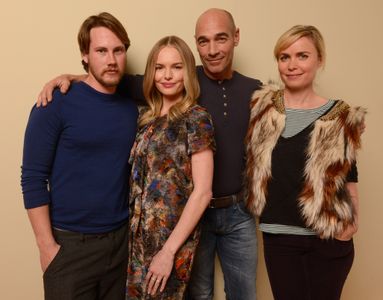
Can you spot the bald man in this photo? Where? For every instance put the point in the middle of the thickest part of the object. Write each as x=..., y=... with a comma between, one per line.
x=228, y=229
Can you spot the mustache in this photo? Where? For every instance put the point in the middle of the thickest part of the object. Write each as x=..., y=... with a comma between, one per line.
x=111, y=69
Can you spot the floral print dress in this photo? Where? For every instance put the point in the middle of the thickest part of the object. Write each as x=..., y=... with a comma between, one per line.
x=161, y=183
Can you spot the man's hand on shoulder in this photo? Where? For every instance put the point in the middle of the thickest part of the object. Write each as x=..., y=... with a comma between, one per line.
x=62, y=82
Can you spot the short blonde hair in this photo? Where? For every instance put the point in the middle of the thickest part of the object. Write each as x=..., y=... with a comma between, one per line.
x=295, y=33
x=151, y=93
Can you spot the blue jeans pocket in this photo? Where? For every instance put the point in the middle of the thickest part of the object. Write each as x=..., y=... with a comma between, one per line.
x=241, y=207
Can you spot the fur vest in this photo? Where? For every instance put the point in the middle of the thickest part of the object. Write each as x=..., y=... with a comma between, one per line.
x=324, y=202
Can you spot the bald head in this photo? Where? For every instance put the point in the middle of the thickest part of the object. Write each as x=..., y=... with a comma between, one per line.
x=213, y=15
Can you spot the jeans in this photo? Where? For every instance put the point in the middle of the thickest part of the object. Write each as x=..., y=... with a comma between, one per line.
x=231, y=233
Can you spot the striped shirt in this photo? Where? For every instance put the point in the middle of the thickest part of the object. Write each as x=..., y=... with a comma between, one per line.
x=299, y=119
x=296, y=121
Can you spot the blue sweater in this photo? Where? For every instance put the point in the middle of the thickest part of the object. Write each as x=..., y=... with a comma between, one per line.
x=75, y=159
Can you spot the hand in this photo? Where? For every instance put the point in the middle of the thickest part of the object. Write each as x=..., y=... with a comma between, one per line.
x=47, y=254
x=159, y=271
x=348, y=233
x=45, y=96
x=362, y=127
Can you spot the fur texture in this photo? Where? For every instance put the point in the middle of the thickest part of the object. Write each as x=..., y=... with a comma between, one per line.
x=324, y=202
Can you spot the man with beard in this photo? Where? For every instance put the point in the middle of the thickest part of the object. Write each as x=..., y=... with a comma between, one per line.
x=75, y=172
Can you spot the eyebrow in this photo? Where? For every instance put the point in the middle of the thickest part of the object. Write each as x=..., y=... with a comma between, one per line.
x=174, y=64
x=300, y=52
x=217, y=35
x=225, y=34
x=106, y=48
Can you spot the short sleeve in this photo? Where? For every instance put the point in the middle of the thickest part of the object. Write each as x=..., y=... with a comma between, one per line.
x=352, y=175
x=200, y=130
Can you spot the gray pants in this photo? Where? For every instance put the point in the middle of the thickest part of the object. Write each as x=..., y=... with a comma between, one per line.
x=88, y=266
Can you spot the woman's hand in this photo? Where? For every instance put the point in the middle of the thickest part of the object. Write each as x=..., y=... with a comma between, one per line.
x=159, y=271
x=348, y=233
x=163, y=262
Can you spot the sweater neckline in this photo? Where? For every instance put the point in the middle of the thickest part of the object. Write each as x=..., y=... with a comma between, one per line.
x=93, y=91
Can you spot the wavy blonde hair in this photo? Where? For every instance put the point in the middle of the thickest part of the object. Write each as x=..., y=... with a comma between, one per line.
x=151, y=93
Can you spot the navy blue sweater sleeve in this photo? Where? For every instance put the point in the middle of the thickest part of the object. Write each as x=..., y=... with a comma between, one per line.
x=76, y=159
x=40, y=142
x=131, y=86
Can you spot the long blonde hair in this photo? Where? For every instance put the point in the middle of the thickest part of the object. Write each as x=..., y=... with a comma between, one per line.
x=151, y=93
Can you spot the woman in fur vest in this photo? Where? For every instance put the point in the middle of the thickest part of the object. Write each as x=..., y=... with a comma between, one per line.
x=302, y=175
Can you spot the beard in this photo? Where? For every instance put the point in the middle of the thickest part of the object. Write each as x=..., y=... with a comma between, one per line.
x=107, y=79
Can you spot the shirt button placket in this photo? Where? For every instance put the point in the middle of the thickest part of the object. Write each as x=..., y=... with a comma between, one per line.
x=224, y=101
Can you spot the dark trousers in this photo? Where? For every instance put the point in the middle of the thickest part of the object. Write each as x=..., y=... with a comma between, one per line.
x=88, y=266
x=307, y=267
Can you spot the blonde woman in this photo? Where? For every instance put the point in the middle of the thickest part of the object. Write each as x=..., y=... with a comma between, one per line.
x=301, y=151
x=172, y=170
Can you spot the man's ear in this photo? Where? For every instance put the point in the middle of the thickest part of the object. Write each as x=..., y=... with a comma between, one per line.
x=236, y=37
x=85, y=58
